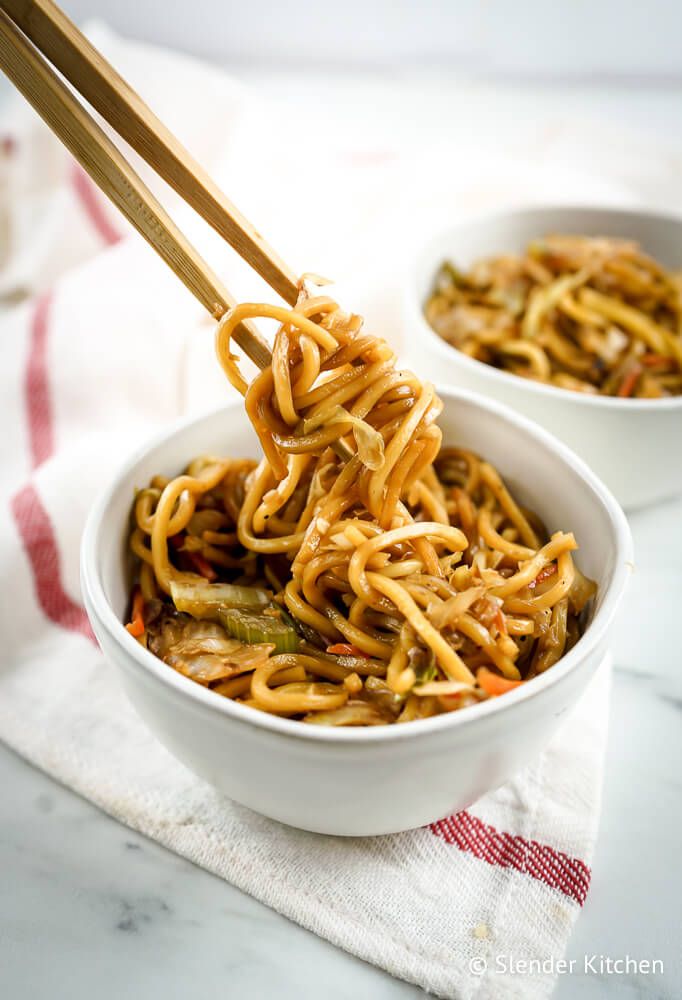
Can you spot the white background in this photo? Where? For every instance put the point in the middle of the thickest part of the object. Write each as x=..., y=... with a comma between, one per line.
x=576, y=39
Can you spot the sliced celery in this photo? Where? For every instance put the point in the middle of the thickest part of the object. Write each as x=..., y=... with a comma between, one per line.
x=253, y=628
x=206, y=600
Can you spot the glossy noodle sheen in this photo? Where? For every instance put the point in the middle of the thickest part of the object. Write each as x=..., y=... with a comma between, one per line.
x=594, y=315
x=360, y=573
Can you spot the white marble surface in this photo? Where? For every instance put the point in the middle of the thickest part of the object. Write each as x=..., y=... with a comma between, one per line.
x=88, y=908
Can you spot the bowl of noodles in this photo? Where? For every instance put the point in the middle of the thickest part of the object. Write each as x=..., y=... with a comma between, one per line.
x=342, y=664
x=572, y=316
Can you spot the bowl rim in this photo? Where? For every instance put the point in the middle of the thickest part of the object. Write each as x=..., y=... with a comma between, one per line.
x=100, y=610
x=415, y=310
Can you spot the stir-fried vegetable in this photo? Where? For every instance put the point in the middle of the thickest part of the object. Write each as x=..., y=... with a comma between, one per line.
x=355, y=713
x=136, y=624
x=346, y=649
x=202, y=566
x=582, y=591
x=369, y=442
x=207, y=600
x=627, y=386
x=493, y=684
x=259, y=628
x=202, y=650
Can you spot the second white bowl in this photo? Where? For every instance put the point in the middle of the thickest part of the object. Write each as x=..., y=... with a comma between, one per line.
x=632, y=444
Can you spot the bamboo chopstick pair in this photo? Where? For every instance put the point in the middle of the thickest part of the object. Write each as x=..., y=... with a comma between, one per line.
x=35, y=33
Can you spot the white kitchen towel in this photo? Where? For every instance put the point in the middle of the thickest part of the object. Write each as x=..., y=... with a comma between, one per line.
x=101, y=347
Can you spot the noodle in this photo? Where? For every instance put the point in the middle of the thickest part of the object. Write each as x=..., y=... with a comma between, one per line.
x=359, y=574
x=592, y=315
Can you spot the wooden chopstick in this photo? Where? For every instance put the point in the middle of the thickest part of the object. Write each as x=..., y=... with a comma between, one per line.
x=89, y=72
x=67, y=117
x=30, y=72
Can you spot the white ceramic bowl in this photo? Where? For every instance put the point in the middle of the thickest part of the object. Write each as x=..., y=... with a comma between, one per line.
x=374, y=780
x=633, y=445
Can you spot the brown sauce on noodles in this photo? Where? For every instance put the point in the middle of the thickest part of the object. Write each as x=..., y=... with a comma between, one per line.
x=593, y=315
x=359, y=573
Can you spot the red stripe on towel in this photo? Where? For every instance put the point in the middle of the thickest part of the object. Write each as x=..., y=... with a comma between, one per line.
x=31, y=518
x=505, y=850
x=89, y=198
x=36, y=385
x=38, y=537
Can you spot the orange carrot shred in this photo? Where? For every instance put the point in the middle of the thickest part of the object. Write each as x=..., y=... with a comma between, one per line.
x=202, y=566
x=544, y=574
x=136, y=624
x=627, y=386
x=651, y=360
x=493, y=684
x=346, y=649
x=450, y=701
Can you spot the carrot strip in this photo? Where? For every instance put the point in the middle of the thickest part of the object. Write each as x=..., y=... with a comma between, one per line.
x=136, y=624
x=494, y=685
x=202, y=566
x=501, y=622
x=627, y=386
x=450, y=702
x=651, y=360
x=544, y=574
x=346, y=649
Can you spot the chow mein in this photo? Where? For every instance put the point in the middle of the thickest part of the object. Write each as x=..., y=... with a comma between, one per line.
x=359, y=574
x=593, y=315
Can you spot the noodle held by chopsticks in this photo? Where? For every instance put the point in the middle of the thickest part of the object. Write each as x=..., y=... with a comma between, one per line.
x=593, y=315
x=395, y=584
